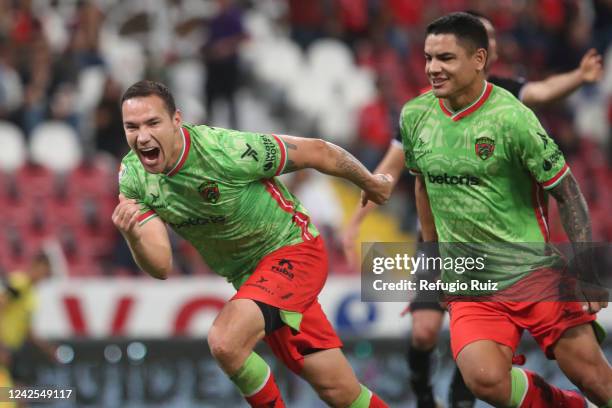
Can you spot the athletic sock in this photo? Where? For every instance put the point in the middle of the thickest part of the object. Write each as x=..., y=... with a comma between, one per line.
x=460, y=395
x=530, y=390
x=419, y=362
x=256, y=383
x=367, y=399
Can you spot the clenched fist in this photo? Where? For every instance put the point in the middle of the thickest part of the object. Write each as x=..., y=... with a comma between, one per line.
x=125, y=216
x=379, y=190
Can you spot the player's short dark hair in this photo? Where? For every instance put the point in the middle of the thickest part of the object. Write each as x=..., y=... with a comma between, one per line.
x=147, y=88
x=467, y=28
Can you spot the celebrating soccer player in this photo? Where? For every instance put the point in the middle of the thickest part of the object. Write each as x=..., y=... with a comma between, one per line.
x=427, y=315
x=218, y=189
x=466, y=126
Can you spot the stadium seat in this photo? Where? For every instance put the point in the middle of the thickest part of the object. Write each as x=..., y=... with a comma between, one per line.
x=55, y=145
x=94, y=177
x=90, y=87
x=276, y=62
x=13, y=152
x=358, y=87
x=33, y=182
x=330, y=59
x=119, y=53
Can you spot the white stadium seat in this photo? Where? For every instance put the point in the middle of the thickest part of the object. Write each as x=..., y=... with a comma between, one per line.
x=55, y=145
x=13, y=152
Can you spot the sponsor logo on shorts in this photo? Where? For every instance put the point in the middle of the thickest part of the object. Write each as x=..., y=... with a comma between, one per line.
x=284, y=268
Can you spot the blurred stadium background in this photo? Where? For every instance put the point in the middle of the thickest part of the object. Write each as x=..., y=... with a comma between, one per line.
x=335, y=69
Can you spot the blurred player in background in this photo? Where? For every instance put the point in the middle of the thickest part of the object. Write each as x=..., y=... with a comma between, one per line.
x=512, y=155
x=428, y=316
x=218, y=189
x=17, y=306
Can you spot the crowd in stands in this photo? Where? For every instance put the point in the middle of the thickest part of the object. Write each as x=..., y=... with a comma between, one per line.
x=68, y=61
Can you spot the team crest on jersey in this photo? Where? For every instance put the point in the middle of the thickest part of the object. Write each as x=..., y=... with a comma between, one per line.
x=484, y=147
x=209, y=190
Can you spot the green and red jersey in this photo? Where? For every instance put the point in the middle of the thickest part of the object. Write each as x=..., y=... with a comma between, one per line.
x=486, y=169
x=222, y=196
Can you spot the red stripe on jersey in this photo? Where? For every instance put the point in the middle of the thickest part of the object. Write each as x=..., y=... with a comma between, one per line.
x=145, y=215
x=446, y=111
x=301, y=219
x=541, y=210
x=556, y=177
x=185, y=152
x=283, y=153
x=477, y=105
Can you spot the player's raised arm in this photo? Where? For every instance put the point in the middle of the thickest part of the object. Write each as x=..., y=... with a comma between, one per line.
x=559, y=86
x=148, y=239
x=333, y=160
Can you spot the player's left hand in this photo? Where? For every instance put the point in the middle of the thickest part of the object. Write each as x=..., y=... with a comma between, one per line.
x=596, y=297
x=379, y=190
x=591, y=66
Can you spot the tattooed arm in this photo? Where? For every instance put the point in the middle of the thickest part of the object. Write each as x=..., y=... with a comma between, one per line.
x=333, y=160
x=573, y=210
x=577, y=224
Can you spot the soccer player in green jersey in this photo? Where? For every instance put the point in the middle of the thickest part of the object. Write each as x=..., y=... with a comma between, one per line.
x=218, y=189
x=427, y=315
x=486, y=161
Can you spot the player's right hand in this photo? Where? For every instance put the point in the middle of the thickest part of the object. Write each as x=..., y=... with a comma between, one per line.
x=125, y=216
x=591, y=66
x=379, y=191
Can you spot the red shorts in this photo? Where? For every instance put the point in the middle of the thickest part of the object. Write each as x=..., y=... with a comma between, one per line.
x=504, y=322
x=291, y=279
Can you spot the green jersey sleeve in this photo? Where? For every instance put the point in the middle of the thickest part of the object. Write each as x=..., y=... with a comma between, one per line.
x=129, y=187
x=407, y=141
x=538, y=152
x=251, y=156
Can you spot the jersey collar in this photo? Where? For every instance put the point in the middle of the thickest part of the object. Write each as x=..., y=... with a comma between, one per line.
x=184, y=153
x=473, y=107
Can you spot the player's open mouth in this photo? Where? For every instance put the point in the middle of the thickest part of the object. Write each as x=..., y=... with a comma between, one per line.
x=149, y=154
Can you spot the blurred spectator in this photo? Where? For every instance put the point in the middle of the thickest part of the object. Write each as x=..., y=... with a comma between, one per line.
x=11, y=88
x=602, y=26
x=378, y=123
x=108, y=134
x=308, y=20
x=226, y=33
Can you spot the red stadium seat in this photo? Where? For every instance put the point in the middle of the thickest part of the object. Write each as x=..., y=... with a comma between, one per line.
x=33, y=182
x=96, y=178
